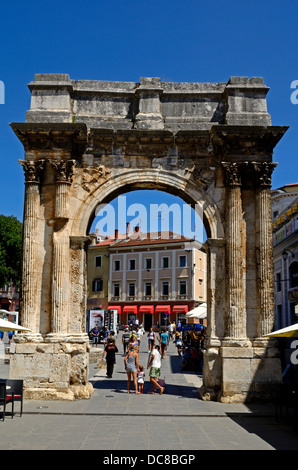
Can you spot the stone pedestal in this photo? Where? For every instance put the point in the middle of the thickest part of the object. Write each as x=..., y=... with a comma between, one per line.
x=54, y=369
x=250, y=372
x=238, y=372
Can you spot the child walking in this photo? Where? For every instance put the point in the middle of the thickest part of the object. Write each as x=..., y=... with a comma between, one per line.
x=141, y=376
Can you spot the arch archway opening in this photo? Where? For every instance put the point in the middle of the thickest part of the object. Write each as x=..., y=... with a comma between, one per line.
x=150, y=211
x=156, y=217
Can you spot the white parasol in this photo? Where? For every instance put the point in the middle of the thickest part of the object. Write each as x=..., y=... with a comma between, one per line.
x=198, y=312
x=288, y=332
x=5, y=312
x=6, y=325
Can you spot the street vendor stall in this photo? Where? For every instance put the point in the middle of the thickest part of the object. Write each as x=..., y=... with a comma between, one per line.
x=192, y=338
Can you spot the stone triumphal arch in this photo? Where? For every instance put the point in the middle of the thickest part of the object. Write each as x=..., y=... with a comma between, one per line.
x=88, y=141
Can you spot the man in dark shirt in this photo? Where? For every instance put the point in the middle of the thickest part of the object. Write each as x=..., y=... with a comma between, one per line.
x=110, y=353
x=125, y=340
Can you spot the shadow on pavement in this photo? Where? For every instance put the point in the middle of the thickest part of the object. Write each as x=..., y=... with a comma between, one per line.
x=280, y=435
x=120, y=386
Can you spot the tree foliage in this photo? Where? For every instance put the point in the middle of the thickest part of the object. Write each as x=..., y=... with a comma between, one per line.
x=10, y=250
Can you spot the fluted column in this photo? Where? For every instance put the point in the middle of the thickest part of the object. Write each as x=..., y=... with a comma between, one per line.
x=78, y=248
x=235, y=310
x=61, y=249
x=63, y=175
x=264, y=248
x=31, y=278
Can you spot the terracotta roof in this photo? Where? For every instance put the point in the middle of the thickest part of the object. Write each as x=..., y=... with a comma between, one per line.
x=108, y=240
x=139, y=239
x=153, y=238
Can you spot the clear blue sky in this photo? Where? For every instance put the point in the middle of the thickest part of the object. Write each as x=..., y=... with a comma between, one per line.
x=181, y=41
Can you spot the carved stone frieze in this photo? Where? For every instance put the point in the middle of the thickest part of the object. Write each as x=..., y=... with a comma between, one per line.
x=203, y=176
x=94, y=176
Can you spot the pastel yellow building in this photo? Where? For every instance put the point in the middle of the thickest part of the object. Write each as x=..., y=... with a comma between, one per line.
x=98, y=272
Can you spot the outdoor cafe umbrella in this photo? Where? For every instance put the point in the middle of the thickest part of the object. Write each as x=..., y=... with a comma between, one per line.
x=6, y=325
x=6, y=312
x=198, y=312
x=288, y=332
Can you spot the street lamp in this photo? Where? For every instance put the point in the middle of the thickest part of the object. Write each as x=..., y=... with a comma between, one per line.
x=285, y=254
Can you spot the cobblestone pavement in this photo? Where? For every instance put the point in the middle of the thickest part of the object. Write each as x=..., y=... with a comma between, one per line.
x=113, y=420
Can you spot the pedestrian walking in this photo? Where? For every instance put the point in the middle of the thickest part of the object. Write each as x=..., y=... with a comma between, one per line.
x=164, y=337
x=110, y=353
x=174, y=331
x=151, y=340
x=131, y=363
x=155, y=365
x=106, y=334
x=139, y=335
x=112, y=335
x=133, y=341
x=140, y=378
x=125, y=340
x=179, y=343
x=170, y=331
x=10, y=336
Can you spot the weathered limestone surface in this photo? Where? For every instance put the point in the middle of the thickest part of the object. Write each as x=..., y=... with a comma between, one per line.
x=85, y=143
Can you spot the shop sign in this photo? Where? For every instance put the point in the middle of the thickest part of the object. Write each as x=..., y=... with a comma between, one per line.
x=290, y=228
x=279, y=236
x=93, y=303
x=285, y=232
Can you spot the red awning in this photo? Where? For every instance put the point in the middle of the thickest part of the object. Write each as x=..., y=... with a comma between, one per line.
x=114, y=307
x=180, y=309
x=163, y=309
x=146, y=309
x=130, y=309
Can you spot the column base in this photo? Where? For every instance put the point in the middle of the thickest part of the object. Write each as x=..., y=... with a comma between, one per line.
x=241, y=373
x=55, y=369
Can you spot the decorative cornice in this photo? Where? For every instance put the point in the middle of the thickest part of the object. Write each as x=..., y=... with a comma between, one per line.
x=49, y=136
x=247, y=140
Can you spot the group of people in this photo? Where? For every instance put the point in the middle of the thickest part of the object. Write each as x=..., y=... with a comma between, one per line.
x=131, y=345
x=97, y=334
x=134, y=370
x=164, y=336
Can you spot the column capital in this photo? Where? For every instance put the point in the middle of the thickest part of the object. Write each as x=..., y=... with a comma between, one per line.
x=63, y=170
x=263, y=172
x=32, y=170
x=231, y=173
x=79, y=241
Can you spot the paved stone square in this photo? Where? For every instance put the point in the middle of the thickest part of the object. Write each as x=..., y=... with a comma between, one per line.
x=112, y=420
